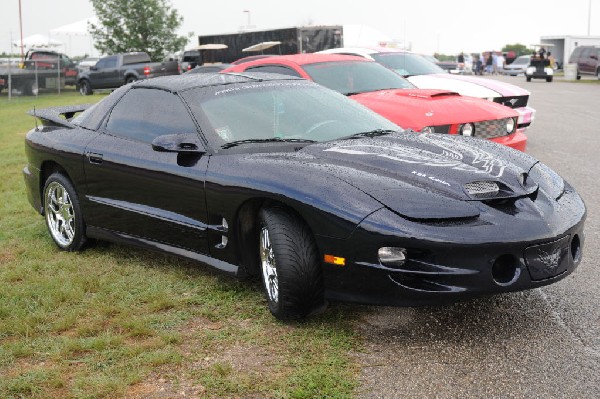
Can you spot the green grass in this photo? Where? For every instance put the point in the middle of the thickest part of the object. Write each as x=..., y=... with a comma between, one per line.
x=113, y=321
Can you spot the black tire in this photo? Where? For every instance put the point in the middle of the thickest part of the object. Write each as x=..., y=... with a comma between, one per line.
x=549, y=78
x=31, y=88
x=294, y=257
x=85, y=88
x=528, y=78
x=130, y=79
x=62, y=212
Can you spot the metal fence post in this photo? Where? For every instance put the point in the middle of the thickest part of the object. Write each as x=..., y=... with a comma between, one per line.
x=58, y=82
x=37, y=83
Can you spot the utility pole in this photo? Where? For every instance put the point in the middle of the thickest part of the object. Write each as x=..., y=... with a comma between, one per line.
x=21, y=28
x=589, y=15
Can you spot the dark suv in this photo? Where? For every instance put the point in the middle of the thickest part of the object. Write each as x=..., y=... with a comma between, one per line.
x=587, y=59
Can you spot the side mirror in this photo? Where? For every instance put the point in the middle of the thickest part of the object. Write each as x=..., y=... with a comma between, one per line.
x=93, y=68
x=188, y=143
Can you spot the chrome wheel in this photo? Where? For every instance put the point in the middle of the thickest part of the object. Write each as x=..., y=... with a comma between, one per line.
x=60, y=214
x=267, y=261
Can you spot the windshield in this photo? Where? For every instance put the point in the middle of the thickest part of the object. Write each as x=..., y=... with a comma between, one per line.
x=276, y=111
x=407, y=64
x=352, y=77
x=523, y=60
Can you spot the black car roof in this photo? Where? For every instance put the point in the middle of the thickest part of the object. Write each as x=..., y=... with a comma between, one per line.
x=178, y=83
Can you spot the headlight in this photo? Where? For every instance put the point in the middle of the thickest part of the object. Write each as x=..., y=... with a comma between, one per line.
x=510, y=125
x=428, y=129
x=468, y=129
x=392, y=256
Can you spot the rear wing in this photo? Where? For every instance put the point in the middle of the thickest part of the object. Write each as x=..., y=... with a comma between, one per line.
x=59, y=116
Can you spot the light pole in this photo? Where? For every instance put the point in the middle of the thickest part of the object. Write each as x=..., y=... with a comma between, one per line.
x=589, y=15
x=248, y=24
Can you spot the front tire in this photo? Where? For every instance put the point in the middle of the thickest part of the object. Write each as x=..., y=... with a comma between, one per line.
x=85, y=88
x=528, y=78
x=63, y=213
x=31, y=88
x=289, y=263
x=130, y=79
x=549, y=78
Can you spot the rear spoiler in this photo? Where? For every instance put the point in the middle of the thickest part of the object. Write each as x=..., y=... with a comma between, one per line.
x=58, y=116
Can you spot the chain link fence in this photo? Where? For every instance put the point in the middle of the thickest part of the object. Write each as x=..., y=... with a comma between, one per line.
x=36, y=76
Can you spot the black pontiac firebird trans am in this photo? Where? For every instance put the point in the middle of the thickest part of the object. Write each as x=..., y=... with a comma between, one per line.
x=280, y=178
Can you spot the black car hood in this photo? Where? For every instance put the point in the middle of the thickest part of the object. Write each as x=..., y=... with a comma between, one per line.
x=427, y=176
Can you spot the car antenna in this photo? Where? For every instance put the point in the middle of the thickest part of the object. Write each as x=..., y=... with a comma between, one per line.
x=35, y=119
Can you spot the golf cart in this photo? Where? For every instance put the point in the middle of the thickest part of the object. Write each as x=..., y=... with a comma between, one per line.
x=540, y=66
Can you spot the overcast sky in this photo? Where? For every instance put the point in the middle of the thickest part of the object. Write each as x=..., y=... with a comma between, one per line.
x=428, y=25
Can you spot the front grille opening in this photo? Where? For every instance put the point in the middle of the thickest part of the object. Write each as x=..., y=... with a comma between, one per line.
x=513, y=101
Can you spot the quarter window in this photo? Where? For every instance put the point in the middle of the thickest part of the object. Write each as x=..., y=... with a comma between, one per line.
x=144, y=114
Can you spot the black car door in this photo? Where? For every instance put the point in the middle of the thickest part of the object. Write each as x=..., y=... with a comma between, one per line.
x=105, y=74
x=133, y=189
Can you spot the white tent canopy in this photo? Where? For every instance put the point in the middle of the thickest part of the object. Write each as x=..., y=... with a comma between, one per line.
x=79, y=28
x=39, y=41
x=210, y=46
x=261, y=46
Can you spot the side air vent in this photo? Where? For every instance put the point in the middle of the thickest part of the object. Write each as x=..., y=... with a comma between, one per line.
x=482, y=188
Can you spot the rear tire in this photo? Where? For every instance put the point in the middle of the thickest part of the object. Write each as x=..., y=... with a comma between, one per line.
x=130, y=79
x=528, y=78
x=63, y=213
x=549, y=79
x=289, y=263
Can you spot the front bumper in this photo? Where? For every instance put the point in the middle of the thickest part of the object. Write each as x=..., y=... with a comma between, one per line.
x=516, y=140
x=447, y=263
x=526, y=117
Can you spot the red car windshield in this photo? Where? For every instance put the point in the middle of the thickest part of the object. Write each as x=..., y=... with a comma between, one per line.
x=353, y=77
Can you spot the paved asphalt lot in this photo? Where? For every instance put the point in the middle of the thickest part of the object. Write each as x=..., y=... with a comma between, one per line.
x=543, y=343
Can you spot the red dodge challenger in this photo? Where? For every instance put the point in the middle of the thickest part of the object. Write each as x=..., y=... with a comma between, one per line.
x=390, y=95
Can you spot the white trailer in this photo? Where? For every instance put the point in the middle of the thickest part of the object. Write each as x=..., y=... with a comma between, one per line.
x=563, y=46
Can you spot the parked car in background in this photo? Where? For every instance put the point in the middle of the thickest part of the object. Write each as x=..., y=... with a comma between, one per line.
x=425, y=75
x=587, y=59
x=190, y=60
x=517, y=67
x=317, y=196
x=116, y=70
x=390, y=95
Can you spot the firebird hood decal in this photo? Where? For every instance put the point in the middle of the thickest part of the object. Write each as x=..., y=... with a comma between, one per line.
x=482, y=161
x=428, y=169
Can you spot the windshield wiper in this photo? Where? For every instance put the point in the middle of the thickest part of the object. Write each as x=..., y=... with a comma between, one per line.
x=269, y=140
x=370, y=133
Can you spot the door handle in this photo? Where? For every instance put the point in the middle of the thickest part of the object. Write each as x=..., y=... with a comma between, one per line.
x=94, y=158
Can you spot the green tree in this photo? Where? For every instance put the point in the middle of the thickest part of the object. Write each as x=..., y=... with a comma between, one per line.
x=518, y=48
x=137, y=25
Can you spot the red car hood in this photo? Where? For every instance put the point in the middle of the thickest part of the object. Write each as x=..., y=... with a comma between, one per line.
x=417, y=108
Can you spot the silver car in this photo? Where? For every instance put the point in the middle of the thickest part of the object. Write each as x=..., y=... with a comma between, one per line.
x=518, y=66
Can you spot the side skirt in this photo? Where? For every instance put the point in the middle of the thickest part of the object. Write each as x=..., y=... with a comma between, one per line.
x=113, y=236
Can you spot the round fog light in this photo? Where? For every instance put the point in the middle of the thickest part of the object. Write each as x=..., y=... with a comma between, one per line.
x=510, y=125
x=467, y=129
x=392, y=256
